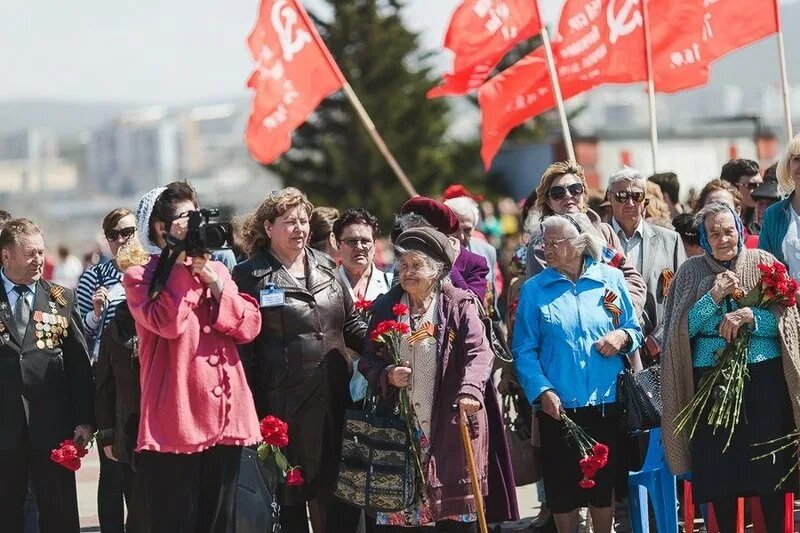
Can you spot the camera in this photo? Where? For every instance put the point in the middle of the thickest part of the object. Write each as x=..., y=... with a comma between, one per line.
x=204, y=235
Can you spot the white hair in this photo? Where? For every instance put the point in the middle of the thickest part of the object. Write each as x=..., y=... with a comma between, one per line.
x=434, y=269
x=465, y=207
x=628, y=175
x=580, y=232
x=714, y=208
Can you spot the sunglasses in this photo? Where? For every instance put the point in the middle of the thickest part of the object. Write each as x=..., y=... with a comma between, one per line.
x=559, y=192
x=126, y=233
x=352, y=243
x=623, y=196
x=751, y=186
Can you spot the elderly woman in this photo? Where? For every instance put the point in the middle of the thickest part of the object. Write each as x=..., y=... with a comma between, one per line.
x=568, y=351
x=701, y=318
x=780, y=229
x=562, y=190
x=448, y=361
x=298, y=366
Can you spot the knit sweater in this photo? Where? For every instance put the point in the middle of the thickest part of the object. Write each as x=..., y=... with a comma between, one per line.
x=693, y=280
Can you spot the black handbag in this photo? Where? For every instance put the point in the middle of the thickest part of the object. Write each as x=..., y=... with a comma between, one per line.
x=526, y=460
x=495, y=336
x=257, y=508
x=375, y=470
x=639, y=398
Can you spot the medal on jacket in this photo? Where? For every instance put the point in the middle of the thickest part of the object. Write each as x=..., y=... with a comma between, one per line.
x=50, y=329
x=57, y=294
x=613, y=309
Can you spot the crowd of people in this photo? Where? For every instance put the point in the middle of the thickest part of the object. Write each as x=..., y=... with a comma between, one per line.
x=171, y=383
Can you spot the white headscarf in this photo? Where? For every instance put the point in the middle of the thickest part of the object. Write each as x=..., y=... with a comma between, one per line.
x=143, y=212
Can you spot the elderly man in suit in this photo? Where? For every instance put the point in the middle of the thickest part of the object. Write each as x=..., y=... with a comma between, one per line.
x=46, y=387
x=654, y=251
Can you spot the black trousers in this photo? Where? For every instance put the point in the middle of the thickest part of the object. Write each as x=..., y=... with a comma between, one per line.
x=191, y=493
x=772, y=506
x=113, y=490
x=54, y=485
x=339, y=517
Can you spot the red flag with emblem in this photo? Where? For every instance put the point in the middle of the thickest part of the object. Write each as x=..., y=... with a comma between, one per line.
x=481, y=32
x=598, y=41
x=294, y=72
x=681, y=59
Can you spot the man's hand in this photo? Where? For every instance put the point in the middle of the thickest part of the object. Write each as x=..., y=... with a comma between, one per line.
x=83, y=434
x=109, y=451
x=551, y=404
x=99, y=299
x=612, y=343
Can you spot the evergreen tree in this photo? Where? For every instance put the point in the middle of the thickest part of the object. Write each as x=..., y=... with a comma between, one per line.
x=333, y=158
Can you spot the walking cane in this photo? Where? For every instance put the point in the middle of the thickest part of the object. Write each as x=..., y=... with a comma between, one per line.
x=473, y=472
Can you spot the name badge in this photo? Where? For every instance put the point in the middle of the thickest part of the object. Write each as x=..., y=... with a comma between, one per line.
x=272, y=297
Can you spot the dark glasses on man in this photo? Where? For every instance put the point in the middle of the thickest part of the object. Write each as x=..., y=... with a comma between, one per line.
x=125, y=233
x=559, y=192
x=623, y=196
x=751, y=186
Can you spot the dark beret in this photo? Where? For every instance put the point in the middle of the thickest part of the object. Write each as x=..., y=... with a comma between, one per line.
x=439, y=215
x=430, y=242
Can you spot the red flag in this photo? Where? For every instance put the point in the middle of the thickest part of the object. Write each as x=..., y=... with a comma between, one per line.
x=481, y=32
x=294, y=73
x=598, y=41
x=676, y=36
x=722, y=27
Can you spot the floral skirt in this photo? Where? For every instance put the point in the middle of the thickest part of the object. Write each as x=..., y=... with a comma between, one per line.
x=420, y=514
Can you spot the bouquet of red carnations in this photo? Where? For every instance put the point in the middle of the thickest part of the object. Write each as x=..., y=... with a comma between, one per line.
x=69, y=454
x=390, y=333
x=723, y=386
x=594, y=455
x=275, y=433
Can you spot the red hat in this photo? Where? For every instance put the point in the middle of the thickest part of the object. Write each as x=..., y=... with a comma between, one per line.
x=439, y=215
x=457, y=191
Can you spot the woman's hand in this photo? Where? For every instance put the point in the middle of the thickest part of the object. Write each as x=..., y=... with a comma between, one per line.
x=551, y=404
x=467, y=404
x=734, y=320
x=109, y=451
x=202, y=268
x=99, y=301
x=612, y=343
x=400, y=375
x=725, y=284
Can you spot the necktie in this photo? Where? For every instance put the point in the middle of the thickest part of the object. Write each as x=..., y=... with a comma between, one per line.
x=22, y=311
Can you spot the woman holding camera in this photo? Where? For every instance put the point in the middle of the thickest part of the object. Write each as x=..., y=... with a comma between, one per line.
x=196, y=409
x=298, y=366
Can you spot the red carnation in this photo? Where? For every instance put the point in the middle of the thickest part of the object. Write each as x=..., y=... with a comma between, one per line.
x=399, y=309
x=57, y=456
x=586, y=483
x=274, y=431
x=363, y=305
x=382, y=328
x=764, y=268
x=71, y=463
x=779, y=267
x=402, y=328
x=294, y=478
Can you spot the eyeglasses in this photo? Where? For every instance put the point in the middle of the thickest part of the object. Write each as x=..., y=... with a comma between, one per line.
x=623, y=196
x=352, y=243
x=126, y=233
x=559, y=192
x=555, y=244
x=751, y=186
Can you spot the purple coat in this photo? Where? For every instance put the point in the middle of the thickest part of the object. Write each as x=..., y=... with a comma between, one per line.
x=469, y=273
x=465, y=363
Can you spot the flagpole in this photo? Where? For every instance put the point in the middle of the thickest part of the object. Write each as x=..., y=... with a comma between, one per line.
x=651, y=87
x=551, y=69
x=562, y=114
x=352, y=97
x=787, y=106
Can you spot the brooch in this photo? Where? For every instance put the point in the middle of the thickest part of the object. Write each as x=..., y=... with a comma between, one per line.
x=667, y=276
x=609, y=299
x=57, y=294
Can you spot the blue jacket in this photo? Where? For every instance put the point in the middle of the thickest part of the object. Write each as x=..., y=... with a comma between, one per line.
x=774, y=227
x=557, y=324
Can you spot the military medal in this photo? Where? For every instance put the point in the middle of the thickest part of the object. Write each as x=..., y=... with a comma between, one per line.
x=57, y=293
x=40, y=344
x=2, y=327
